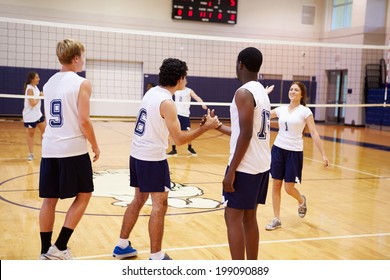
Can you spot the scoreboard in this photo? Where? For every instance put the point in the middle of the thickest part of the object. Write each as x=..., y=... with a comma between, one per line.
x=222, y=11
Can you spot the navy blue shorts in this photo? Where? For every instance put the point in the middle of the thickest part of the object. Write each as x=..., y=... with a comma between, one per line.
x=34, y=124
x=65, y=177
x=250, y=190
x=150, y=176
x=184, y=122
x=286, y=165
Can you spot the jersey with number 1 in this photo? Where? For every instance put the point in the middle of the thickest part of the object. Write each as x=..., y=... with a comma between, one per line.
x=257, y=158
x=291, y=126
x=150, y=139
x=63, y=136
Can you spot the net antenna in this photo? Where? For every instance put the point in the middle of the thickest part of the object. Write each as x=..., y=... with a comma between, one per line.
x=387, y=74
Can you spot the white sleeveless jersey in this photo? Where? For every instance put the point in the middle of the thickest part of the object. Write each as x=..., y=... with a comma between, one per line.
x=291, y=127
x=31, y=113
x=150, y=138
x=257, y=158
x=180, y=97
x=63, y=136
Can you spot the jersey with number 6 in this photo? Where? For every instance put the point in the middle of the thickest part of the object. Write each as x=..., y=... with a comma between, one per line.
x=257, y=158
x=63, y=136
x=150, y=139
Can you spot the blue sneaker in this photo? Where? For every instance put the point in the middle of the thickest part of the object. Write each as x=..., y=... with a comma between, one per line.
x=165, y=258
x=122, y=253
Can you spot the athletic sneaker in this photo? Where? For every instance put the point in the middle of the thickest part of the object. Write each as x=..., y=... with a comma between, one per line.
x=165, y=258
x=122, y=253
x=43, y=257
x=55, y=254
x=274, y=224
x=302, y=209
x=172, y=153
x=30, y=157
x=192, y=151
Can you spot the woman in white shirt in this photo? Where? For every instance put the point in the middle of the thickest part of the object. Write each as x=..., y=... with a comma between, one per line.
x=287, y=151
x=32, y=115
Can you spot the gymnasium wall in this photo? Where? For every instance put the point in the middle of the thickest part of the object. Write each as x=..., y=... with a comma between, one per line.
x=130, y=42
x=257, y=19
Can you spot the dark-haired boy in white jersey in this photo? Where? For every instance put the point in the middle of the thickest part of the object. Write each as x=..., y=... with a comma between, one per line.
x=149, y=170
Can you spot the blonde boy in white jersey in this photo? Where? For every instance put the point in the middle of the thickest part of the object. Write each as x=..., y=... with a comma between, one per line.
x=149, y=170
x=66, y=169
x=246, y=179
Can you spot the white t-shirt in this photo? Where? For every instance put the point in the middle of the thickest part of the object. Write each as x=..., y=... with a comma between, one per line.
x=31, y=113
x=291, y=125
x=257, y=158
x=180, y=97
x=63, y=136
x=150, y=138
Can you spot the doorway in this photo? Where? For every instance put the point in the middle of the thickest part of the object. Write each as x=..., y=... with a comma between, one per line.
x=336, y=94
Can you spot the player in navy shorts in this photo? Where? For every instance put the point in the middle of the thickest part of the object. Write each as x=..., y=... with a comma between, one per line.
x=66, y=168
x=245, y=183
x=149, y=171
x=287, y=150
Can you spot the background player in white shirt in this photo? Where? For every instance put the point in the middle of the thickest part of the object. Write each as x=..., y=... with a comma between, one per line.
x=287, y=151
x=182, y=99
x=32, y=115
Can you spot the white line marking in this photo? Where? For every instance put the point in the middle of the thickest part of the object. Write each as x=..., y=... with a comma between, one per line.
x=261, y=242
x=347, y=168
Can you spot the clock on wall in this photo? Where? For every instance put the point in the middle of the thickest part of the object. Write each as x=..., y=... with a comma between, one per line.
x=222, y=11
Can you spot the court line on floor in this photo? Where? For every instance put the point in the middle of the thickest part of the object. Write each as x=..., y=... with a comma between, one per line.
x=261, y=243
x=346, y=168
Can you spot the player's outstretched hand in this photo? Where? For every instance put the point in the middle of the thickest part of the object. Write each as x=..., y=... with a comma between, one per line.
x=203, y=120
x=211, y=121
x=210, y=113
x=269, y=89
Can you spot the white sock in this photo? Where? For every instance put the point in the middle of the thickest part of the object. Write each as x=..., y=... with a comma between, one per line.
x=123, y=243
x=157, y=256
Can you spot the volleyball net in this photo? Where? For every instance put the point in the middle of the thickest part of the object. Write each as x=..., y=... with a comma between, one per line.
x=120, y=62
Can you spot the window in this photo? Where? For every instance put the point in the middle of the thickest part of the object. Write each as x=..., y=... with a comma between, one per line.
x=341, y=14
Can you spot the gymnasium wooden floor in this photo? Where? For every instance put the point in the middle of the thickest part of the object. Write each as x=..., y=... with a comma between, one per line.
x=348, y=202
